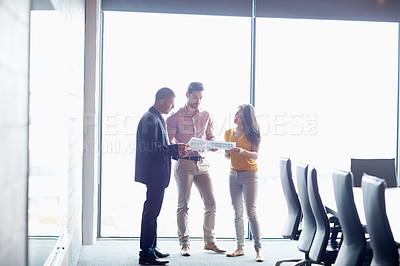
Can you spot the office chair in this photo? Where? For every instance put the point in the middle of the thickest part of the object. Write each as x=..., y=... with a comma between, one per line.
x=321, y=249
x=384, y=248
x=382, y=168
x=353, y=250
x=291, y=227
x=308, y=224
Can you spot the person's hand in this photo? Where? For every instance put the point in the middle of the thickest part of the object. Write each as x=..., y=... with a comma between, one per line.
x=238, y=150
x=182, y=146
x=182, y=149
x=228, y=154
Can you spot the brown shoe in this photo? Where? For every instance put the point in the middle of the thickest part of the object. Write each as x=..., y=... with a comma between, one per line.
x=214, y=248
x=238, y=252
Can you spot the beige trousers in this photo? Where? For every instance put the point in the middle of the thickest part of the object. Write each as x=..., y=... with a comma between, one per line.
x=186, y=173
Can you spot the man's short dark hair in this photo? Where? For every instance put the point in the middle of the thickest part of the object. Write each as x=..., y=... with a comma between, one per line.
x=195, y=86
x=164, y=93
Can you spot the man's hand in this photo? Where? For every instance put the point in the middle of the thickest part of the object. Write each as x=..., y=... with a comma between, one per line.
x=182, y=146
x=182, y=149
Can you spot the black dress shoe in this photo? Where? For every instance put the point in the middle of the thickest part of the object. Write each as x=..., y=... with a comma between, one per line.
x=159, y=254
x=152, y=260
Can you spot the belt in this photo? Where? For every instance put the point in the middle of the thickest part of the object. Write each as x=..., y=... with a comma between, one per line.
x=239, y=171
x=194, y=158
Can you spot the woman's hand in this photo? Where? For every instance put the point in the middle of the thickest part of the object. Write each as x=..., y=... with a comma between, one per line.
x=238, y=150
x=248, y=154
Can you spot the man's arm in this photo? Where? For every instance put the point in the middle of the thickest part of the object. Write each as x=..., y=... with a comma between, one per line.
x=209, y=129
x=172, y=128
x=209, y=132
x=152, y=141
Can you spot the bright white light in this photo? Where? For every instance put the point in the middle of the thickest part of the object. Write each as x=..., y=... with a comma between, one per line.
x=325, y=91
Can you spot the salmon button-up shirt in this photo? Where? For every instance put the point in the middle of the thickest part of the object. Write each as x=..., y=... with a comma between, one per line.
x=182, y=126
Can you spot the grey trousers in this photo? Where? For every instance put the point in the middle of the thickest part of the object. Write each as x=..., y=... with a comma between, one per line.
x=243, y=188
x=186, y=173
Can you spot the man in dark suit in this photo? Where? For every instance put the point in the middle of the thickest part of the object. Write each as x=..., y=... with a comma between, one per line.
x=153, y=168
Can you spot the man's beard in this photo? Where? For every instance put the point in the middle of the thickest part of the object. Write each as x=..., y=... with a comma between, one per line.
x=193, y=105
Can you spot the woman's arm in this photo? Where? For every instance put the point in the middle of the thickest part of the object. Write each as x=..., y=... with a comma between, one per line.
x=253, y=154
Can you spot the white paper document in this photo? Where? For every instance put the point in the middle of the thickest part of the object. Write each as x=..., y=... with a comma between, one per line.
x=196, y=144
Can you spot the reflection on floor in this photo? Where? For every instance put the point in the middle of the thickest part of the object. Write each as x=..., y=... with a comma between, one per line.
x=39, y=249
x=125, y=252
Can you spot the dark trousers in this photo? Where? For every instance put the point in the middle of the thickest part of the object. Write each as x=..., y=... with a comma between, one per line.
x=151, y=210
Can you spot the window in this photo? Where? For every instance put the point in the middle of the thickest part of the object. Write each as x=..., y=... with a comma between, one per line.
x=48, y=129
x=153, y=51
x=326, y=91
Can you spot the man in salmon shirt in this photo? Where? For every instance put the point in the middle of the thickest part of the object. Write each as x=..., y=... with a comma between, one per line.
x=191, y=121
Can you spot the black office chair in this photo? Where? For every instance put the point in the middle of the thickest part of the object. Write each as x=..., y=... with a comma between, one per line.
x=322, y=250
x=308, y=223
x=353, y=250
x=382, y=168
x=384, y=248
x=291, y=227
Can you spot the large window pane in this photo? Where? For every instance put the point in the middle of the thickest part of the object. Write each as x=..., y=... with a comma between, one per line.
x=142, y=53
x=48, y=129
x=48, y=136
x=326, y=91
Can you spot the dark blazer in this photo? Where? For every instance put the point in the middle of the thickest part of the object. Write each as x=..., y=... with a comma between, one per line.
x=153, y=152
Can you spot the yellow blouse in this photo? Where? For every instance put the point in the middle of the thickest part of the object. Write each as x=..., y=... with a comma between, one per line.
x=238, y=161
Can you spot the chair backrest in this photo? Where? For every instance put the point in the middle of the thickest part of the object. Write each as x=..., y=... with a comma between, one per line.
x=321, y=238
x=352, y=249
x=308, y=224
x=382, y=168
x=384, y=247
x=291, y=226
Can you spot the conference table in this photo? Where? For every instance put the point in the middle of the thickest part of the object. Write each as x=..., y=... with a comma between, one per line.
x=392, y=198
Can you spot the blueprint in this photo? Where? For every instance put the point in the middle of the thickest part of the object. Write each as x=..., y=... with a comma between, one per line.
x=196, y=144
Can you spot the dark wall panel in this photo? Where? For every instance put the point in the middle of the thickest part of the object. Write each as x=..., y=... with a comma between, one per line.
x=209, y=7
x=363, y=10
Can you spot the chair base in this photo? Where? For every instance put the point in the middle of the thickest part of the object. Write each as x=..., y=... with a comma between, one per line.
x=300, y=262
x=304, y=262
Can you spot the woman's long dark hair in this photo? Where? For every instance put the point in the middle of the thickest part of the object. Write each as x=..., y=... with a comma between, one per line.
x=250, y=124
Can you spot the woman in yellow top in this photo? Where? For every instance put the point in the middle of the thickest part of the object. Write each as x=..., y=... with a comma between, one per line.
x=243, y=177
